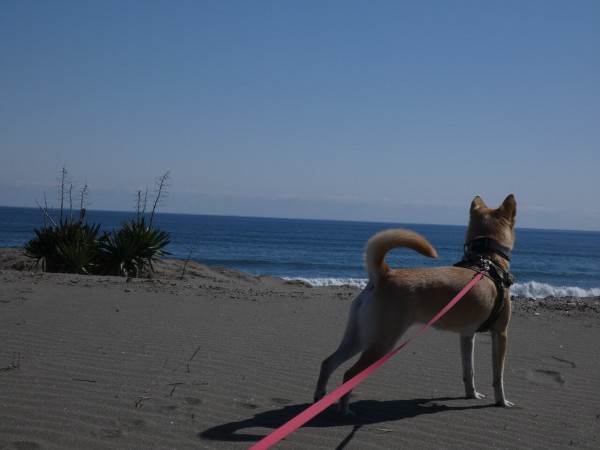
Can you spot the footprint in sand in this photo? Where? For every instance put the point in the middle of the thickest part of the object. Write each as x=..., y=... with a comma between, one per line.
x=550, y=373
x=277, y=401
x=246, y=404
x=564, y=362
x=25, y=445
x=193, y=401
x=121, y=428
x=555, y=375
x=111, y=432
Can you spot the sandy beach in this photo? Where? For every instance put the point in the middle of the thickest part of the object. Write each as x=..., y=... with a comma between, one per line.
x=218, y=359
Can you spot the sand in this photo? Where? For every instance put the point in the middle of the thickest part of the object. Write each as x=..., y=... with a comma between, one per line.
x=219, y=359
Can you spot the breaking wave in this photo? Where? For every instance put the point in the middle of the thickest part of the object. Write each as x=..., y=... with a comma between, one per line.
x=531, y=289
x=319, y=282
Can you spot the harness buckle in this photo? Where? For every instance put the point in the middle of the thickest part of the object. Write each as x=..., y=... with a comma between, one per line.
x=478, y=260
x=484, y=265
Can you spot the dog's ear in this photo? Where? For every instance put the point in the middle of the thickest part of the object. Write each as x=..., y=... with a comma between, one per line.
x=509, y=207
x=478, y=203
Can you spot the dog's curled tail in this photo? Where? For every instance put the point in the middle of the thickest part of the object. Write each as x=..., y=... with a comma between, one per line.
x=380, y=244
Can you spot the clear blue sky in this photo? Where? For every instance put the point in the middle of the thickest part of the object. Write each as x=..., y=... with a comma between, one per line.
x=397, y=111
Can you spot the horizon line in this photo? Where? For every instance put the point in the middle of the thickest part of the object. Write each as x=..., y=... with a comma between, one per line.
x=241, y=216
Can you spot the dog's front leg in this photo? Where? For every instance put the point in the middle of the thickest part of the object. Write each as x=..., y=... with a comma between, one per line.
x=499, y=345
x=467, y=344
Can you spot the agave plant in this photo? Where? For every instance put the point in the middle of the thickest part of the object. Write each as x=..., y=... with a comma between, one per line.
x=73, y=246
x=42, y=247
x=131, y=250
x=66, y=247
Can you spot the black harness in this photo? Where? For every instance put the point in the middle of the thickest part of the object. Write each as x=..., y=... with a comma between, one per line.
x=473, y=260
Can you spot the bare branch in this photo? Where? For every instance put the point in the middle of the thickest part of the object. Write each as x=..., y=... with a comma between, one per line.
x=71, y=186
x=141, y=204
x=188, y=260
x=45, y=211
x=162, y=183
x=45, y=207
x=138, y=204
x=84, y=199
x=145, y=204
x=83, y=203
x=63, y=182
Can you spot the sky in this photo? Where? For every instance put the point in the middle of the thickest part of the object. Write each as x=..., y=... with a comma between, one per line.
x=395, y=111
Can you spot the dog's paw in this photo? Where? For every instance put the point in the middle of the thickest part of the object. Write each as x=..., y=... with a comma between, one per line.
x=476, y=395
x=505, y=403
x=345, y=411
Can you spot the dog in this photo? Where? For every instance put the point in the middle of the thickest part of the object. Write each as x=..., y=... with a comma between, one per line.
x=395, y=299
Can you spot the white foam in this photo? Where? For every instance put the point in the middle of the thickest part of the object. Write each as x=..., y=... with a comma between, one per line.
x=533, y=289
x=354, y=282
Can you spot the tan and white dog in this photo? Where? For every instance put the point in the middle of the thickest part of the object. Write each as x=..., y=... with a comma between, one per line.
x=395, y=299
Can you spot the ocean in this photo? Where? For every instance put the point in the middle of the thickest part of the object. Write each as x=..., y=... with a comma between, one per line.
x=327, y=252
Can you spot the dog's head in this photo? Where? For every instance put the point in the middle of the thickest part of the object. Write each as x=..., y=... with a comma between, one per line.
x=497, y=224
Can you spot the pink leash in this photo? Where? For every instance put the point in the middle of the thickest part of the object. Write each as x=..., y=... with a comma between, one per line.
x=335, y=395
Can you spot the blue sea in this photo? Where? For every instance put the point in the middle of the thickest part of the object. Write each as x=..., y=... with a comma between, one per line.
x=324, y=252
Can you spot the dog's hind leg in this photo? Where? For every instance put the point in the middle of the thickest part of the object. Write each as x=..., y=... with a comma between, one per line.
x=467, y=345
x=499, y=346
x=349, y=347
x=369, y=356
x=351, y=344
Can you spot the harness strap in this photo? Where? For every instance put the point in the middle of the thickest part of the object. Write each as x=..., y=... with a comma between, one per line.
x=502, y=280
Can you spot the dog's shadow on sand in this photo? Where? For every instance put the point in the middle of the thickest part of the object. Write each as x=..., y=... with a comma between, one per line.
x=368, y=412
